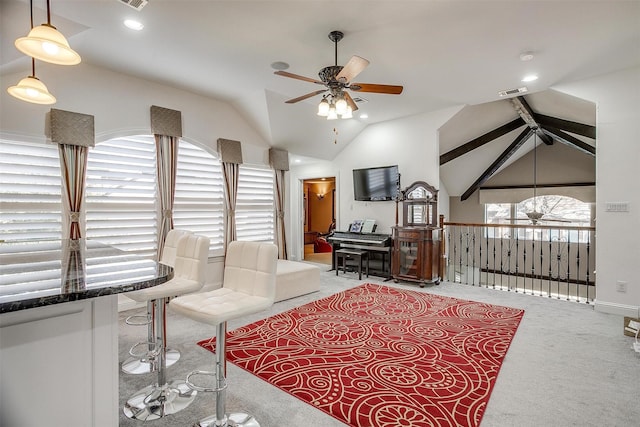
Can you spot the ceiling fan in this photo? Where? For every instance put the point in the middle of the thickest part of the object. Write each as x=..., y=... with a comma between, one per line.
x=336, y=79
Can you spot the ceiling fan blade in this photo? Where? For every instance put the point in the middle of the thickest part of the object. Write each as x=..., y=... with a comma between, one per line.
x=303, y=97
x=375, y=88
x=299, y=77
x=350, y=101
x=354, y=67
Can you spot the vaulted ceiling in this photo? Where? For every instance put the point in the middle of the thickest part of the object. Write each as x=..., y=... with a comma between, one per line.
x=444, y=53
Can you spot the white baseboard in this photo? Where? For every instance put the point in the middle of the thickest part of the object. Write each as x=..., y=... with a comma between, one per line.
x=619, y=309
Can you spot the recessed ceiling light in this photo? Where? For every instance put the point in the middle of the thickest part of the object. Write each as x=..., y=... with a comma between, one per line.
x=364, y=116
x=529, y=78
x=296, y=161
x=133, y=24
x=526, y=56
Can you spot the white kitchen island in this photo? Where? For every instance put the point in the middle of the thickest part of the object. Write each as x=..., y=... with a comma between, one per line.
x=59, y=330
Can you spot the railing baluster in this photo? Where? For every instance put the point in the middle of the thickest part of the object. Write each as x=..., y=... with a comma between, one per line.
x=517, y=258
x=550, y=262
x=587, y=271
x=460, y=233
x=568, y=263
x=538, y=255
x=533, y=261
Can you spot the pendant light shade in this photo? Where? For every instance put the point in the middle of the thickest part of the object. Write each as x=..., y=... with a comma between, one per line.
x=348, y=113
x=31, y=89
x=323, y=108
x=46, y=43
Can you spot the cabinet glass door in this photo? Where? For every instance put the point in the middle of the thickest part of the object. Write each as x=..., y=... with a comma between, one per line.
x=408, y=258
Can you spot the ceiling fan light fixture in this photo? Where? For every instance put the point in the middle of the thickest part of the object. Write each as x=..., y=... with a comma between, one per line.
x=31, y=89
x=332, y=113
x=341, y=105
x=323, y=108
x=347, y=114
x=46, y=43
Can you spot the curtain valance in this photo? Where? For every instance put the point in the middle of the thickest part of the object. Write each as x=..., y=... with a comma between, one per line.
x=166, y=122
x=67, y=127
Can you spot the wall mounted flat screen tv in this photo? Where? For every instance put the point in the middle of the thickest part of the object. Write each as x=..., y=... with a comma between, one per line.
x=376, y=184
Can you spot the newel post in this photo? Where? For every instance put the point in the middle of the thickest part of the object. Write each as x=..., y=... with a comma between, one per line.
x=441, y=263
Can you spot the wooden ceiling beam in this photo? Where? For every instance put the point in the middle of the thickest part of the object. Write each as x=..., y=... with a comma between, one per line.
x=569, y=140
x=506, y=154
x=567, y=126
x=526, y=112
x=481, y=140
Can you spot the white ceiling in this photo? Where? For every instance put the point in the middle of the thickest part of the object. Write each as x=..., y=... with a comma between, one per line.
x=444, y=53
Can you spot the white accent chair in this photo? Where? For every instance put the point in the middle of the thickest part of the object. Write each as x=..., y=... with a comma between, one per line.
x=144, y=363
x=164, y=398
x=249, y=286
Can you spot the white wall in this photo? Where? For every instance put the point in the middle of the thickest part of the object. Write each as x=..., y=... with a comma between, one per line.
x=410, y=142
x=617, y=97
x=120, y=106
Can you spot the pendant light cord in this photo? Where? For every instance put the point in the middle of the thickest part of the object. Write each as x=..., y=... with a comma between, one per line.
x=33, y=60
x=535, y=168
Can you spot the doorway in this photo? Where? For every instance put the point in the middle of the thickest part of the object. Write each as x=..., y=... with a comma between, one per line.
x=319, y=217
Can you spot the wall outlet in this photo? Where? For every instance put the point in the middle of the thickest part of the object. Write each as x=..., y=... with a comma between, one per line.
x=621, y=286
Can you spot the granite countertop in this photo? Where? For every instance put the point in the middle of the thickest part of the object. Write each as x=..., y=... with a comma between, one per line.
x=44, y=272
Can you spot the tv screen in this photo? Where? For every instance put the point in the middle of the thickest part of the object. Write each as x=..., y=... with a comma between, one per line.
x=375, y=184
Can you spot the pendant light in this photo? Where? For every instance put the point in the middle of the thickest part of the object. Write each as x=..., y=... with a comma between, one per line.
x=46, y=43
x=535, y=216
x=31, y=89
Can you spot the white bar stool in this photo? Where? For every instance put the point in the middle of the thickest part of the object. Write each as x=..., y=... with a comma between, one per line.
x=163, y=398
x=249, y=286
x=143, y=363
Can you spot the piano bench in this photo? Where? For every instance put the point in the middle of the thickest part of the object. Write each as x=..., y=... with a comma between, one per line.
x=359, y=256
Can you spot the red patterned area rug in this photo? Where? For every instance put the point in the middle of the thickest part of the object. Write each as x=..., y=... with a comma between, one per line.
x=376, y=356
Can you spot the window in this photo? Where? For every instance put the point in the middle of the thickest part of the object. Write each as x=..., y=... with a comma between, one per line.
x=255, y=204
x=30, y=191
x=199, y=199
x=121, y=194
x=121, y=197
x=560, y=211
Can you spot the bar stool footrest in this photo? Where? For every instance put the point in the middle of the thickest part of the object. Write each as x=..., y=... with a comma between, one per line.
x=131, y=320
x=137, y=366
x=204, y=389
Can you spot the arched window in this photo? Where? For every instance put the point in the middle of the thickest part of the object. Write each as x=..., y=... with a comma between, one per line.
x=255, y=209
x=122, y=205
x=560, y=211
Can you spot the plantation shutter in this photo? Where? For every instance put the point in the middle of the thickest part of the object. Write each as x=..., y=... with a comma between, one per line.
x=255, y=206
x=199, y=198
x=121, y=194
x=30, y=196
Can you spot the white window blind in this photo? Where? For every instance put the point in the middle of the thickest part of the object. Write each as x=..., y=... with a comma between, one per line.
x=199, y=198
x=30, y=189
x=255, y=204
x=121, y=194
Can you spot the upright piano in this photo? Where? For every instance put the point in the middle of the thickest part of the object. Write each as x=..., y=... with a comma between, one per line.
x=377, y=244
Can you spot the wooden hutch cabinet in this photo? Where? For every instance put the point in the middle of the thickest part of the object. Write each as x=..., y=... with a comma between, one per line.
x=416, y=244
